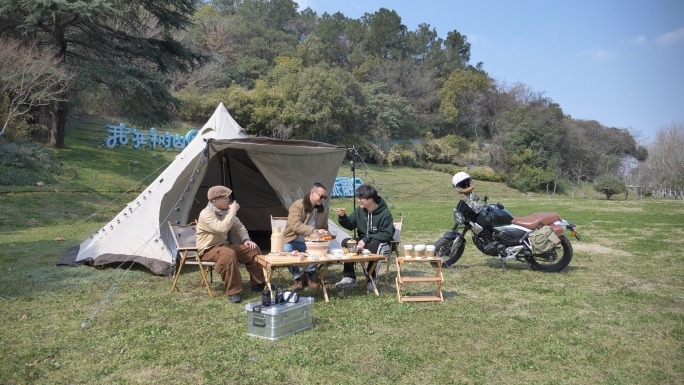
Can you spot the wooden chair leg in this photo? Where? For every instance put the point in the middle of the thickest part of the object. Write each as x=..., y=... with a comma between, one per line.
x=180, y=267
x=389, y=258
x=204, y=275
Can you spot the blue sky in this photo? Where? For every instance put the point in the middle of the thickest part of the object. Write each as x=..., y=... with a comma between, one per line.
x=620, y=62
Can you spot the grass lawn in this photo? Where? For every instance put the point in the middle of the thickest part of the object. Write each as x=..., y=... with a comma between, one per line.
x=614, y=316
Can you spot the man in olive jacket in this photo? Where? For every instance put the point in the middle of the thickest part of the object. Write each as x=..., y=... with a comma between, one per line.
x=374, y=224
x=306, y=216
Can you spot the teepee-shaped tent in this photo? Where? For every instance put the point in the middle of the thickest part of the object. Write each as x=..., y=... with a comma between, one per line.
x=266, y=176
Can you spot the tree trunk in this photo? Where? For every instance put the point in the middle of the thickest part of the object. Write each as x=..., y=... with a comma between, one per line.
x=58, y=129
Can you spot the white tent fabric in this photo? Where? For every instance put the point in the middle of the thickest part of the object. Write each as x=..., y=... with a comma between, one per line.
x=266, y=176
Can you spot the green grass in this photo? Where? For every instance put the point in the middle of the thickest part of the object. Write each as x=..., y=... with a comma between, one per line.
x=614, y=316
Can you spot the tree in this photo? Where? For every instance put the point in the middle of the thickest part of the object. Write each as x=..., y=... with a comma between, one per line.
x=462, y=91
x=609, y=185
x=385, y=37
x=122, y=45
x=405, y=79
x=29, y=77
x=422, y=41
x=387, y=115
x=665, y=165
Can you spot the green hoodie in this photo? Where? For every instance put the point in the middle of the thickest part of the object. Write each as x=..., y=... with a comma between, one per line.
x=380, y=220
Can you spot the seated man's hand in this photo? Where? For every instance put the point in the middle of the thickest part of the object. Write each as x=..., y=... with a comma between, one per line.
x=234, y=207
x=250, y=244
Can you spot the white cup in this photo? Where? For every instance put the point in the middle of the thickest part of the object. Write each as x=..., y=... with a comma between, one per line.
x=408, y=251
x=430, y=251
x=419, y=251
x=338, y=252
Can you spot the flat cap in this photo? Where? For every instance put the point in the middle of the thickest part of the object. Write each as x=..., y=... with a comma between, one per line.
x=218, y=192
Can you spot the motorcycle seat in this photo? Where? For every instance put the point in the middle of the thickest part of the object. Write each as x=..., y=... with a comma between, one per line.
x=537, y=220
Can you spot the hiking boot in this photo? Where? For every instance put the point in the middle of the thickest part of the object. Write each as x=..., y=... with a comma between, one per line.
x=312, y=280
x=235, y=298
x=258, y=288
x=297, y=284
x=346, y=282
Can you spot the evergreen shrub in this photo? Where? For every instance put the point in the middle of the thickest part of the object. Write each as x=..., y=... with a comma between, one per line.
x=25, y=163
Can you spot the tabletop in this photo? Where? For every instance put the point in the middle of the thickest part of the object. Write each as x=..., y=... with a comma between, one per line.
x=273, y=261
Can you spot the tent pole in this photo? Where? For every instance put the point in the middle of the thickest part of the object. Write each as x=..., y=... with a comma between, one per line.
x=206, y=154
x=353, y=169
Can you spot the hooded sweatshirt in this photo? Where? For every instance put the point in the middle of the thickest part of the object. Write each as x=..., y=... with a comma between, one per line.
x=371, y=225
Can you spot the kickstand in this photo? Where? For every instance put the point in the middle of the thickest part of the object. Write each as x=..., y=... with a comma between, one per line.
x=503, y=267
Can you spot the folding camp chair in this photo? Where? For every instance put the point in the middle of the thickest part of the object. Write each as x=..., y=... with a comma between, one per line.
x=279, y=222
x=185, y=237
x=393, y=245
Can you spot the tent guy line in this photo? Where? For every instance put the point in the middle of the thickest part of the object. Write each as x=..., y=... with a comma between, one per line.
x=142, y=247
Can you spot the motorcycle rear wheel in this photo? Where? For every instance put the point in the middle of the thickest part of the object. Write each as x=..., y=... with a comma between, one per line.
x=549, y=262
x=443, y=249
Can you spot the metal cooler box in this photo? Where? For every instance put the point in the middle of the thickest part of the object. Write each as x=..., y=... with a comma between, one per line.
x=277, y=321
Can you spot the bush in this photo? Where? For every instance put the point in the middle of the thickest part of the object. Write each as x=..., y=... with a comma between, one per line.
x=23, y=163
x=197, y=107
x=402, y=154
x=609, y=185
x=489, y=176
x=443, y=150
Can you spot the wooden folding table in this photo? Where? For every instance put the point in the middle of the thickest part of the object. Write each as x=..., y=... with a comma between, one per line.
x=271, y=262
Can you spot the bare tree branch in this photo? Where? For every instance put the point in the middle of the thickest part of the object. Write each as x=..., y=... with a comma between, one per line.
x=29, y=77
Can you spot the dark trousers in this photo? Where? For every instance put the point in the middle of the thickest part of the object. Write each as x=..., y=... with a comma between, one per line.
x=349, y=267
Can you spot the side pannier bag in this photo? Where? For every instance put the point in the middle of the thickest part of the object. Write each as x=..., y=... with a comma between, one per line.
x=543, y=240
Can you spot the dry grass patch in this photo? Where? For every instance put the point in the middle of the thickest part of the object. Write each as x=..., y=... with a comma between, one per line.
x=594, y=248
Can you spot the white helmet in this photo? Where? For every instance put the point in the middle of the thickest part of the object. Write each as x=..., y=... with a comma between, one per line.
x=462, y=182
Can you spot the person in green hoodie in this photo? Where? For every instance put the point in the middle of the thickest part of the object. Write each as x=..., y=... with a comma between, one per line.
x=374, y=224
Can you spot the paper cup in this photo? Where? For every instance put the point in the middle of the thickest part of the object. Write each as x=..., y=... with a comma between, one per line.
x=408, y=251
x=419, y=251
x=430, y=251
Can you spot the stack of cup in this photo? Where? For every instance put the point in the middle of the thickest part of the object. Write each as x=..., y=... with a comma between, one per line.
x=408, y=251
x=430, y=251
x=419, y=251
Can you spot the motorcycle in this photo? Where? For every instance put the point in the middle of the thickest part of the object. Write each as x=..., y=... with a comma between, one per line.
x=496, y=232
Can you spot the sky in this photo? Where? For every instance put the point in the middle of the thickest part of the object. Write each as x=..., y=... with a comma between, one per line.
x=619, y=62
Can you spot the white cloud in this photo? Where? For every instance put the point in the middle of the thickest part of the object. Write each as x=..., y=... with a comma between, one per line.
x=639, y=40
x=600, y=54
x=670, y=37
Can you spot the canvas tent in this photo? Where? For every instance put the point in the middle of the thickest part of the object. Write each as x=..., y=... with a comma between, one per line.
x=266, y=176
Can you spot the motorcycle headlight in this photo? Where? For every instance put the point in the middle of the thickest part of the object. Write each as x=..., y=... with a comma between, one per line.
x=458, y=218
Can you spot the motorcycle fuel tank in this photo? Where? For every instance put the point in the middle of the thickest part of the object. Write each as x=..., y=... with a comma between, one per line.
x=494, y=217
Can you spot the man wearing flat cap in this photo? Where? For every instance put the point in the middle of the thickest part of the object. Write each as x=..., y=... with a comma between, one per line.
x=214, y=223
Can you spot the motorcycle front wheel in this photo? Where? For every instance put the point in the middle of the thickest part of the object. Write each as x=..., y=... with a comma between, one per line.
x=443, y=248
x=551, y=262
